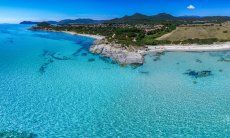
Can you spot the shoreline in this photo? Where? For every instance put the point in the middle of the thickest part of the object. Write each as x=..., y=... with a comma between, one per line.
x=117, y=53
x=225, y=46
x=136, y=56
x=97, y=37
x=125, y=56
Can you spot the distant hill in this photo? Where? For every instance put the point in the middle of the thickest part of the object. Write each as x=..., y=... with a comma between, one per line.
x=28, y=22
x=52, y=22
x=68, y=21
x=80, y=21
x=31, y=22
x=138, y=18
x=163, y=17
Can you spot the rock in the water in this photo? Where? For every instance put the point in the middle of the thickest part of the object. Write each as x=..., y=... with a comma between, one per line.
x=84, y=54
x=198, y=61
x=59, y=57
x=199, y=74
x=14, y=134
x=91, y=60
x=76, y=53
x=156, y=59
x=194, y=82
x=224, y=60
x=44, y=66
x=144, y=72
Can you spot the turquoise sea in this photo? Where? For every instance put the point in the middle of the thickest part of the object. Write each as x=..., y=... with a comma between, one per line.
x=51, y=86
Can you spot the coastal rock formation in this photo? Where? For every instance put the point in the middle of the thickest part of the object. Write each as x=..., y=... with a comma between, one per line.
x=117, y=53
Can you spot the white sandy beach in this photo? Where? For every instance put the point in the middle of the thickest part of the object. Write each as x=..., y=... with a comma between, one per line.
x=190, y=48
x=98, y=37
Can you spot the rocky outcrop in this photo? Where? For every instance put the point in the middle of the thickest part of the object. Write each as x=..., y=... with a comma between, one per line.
x=122, y=55
x=117, y=53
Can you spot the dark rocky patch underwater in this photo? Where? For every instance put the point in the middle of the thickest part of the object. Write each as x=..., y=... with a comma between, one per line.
x=14, y=134
x=158, y=56
x=51, y=57
x=198, y=74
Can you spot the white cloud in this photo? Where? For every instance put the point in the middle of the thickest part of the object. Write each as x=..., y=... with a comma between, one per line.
x=191, y=7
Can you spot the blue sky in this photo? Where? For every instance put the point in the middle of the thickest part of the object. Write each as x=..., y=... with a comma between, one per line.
x=12, y=11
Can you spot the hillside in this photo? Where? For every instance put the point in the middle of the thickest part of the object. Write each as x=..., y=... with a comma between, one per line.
x=167, y=18
x=218, y=31
x=31, y=22
x=143, y=19
x=68, y=21
x=28, y=22
x=80, y=21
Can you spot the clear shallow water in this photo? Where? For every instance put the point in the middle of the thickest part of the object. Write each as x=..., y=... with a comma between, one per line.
x=52, y=87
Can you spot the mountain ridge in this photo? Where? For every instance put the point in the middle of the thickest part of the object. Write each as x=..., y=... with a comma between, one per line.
x=139, y=18
x=165, y=17
x=68, y=21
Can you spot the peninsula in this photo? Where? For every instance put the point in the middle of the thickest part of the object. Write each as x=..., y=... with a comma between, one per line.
x=127, y=40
